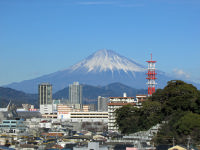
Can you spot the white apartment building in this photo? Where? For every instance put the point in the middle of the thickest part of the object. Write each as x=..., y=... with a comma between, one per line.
x=115, y=103
x=89, y=117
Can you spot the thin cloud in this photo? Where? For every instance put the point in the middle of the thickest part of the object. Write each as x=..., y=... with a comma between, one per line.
x=131, y=5
x=96, y=3
x=115, y=3
x=179, y=73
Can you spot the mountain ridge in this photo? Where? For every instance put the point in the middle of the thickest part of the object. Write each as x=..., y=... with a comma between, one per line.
x=101, y=68
x=90, y=94
x=18, y=97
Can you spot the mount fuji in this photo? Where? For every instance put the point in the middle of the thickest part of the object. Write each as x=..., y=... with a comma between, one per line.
x=101, y=68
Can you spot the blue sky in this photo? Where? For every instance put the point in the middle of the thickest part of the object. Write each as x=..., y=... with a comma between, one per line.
x=38, y=37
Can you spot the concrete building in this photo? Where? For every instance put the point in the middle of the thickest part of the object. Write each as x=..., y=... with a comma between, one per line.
x=53, y=115
x=141, y=98
x=45, y=93
x=92, y=146
x=55, y=105
x=45, y=98
x=102, y=103
x=67, y=112
x=92, y=107
x=86, y=108
x=75, y=93
x=46, y=109
x=45, y=124
x=63, y=111
x=13, y=126
x=115, y=103
x=89, y=117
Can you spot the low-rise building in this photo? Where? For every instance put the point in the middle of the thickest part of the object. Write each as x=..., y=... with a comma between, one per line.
x=13, y=126
x=89, y=116
x=92, y=146
x=141, y=98
x=45, y=124
x=67, y=112
x=46, y=109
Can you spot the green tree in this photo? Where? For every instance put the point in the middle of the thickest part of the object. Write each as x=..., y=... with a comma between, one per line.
x=180, y=108
x=178, y=95
x=127, y=119
x=187, y=124
x=131, y=119
x=148, y=115
x=178, y=104
x=181, y=125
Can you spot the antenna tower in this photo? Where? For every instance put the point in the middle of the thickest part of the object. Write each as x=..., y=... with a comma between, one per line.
x=151, y=77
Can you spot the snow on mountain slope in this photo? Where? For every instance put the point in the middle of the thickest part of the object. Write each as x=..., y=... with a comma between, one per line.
x=105, y=60
x=101, y=68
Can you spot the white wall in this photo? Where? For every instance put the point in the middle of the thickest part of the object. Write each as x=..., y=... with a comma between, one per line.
x=48, y=108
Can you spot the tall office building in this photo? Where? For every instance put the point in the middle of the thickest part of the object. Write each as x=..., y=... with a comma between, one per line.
x=75, y=93
x=102, y=103
x=45, y=98
x=45, y=93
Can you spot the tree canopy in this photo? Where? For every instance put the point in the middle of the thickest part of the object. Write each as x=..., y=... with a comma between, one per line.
x=178, y=104
x=178, y=95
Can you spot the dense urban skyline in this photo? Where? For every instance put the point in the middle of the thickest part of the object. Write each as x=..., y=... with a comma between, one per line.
x=40, y=37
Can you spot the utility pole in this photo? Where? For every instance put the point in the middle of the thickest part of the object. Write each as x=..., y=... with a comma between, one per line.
x=188, y=144
x=173, y=142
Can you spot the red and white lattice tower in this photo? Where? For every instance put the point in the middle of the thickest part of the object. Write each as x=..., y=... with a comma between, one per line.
x=151, y=77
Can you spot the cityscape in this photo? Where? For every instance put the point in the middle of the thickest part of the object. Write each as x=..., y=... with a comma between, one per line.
x=99, y=75
x=70, y=124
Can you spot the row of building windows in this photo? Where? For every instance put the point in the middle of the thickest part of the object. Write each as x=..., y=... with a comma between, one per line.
x=9, y=121
x=88, y=117
x=89, y=114
x=8, y=126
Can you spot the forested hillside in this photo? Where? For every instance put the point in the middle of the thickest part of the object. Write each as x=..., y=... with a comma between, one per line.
x=178, y=104
x=17, y=97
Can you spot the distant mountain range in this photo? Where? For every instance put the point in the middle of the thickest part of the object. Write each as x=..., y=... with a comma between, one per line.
x=101, y=68
x=17, y=97
x=90, y=94
x=104, y=73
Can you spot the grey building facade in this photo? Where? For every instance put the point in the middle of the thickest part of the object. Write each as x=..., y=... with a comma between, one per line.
x=75, y=93
x=45, y=93
x=102, y=103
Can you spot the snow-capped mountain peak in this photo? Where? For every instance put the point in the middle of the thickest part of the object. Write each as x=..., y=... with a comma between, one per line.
x=101, y=68
x=105, y=60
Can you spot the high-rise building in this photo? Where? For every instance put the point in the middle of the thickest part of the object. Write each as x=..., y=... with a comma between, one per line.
x=45, y=98
x=75, y=93
x=102, y=103
x=45, y=93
